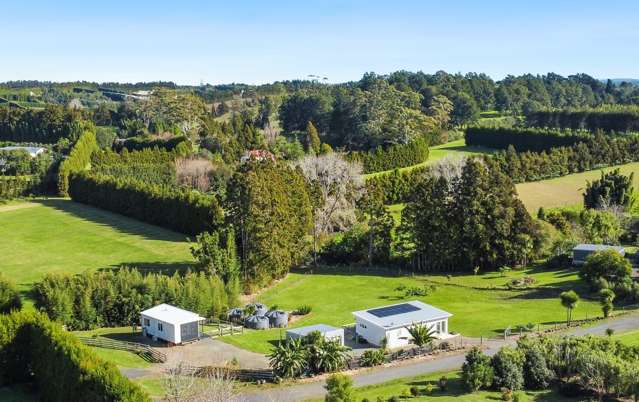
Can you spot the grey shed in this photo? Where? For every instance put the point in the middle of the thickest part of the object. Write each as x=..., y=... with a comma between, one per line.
x=278, y=318
x=256, y=322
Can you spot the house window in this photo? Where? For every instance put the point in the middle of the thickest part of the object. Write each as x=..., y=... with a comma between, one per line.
x=147, y=322
x=362, y=325
x=160, y=327
x=439, y=327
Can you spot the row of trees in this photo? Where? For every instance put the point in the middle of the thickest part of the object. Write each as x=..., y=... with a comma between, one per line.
x=611, y=119
x=150, y=165
x=186, y=211
x=35, y=350
x=115, y=298
x=79, y=160
x=470, y=219
x=579, y=365
x=45, y=126
x=393, y=157
x=522, y=139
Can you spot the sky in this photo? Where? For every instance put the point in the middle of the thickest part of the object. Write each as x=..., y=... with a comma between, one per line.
x=192, y=42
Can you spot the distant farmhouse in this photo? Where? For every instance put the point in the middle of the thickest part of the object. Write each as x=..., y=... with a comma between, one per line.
x=392, y=323
x=582, y=251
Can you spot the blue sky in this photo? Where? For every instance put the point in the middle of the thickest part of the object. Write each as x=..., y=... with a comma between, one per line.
x=263, y=41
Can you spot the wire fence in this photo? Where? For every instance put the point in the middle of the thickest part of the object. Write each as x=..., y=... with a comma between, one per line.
x=144, y=351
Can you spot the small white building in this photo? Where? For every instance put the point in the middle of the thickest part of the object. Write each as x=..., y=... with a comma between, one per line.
x=171, y=324
x=392, y=323
x=32, y=151
x=328, y=332
x=581, y=251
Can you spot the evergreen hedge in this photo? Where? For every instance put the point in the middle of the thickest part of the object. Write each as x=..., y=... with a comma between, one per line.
x=79, y=159
x=14, y=186
x=397, y=186
x=182, y=210
x=615, y=120
x=140, y=143
x=393, y=157
x=34, y=349
x=523, y=139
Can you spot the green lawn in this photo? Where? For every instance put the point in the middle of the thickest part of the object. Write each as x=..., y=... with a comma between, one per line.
x=629, y=338
x=62, y=236
x=566, y=190
x=437, y=152
x=454, y=391
x=336, y=292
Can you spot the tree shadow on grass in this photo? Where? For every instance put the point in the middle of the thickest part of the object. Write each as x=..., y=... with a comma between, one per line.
x=146, y=267
x=120, y=223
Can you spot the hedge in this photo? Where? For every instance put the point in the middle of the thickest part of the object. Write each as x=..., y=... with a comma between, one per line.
x=593, y=120
x=397, y=186
x=34, y=349
x=393, y=157
x=79, y=159
x=523, y=139
x=140, y=143
x=181, y=210
x=14, y=187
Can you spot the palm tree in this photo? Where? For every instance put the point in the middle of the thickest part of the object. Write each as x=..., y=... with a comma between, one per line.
x=569, y=299
x=289, y=359
x=421, y=334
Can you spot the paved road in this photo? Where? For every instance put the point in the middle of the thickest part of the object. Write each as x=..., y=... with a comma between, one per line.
x=316, y=389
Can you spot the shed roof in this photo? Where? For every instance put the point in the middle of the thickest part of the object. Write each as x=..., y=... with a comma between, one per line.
x=402, y=314
x=322, y=328
x=171, y=314
x=596, y=247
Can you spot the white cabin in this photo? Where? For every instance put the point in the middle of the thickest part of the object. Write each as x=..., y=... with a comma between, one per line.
x=171, y=324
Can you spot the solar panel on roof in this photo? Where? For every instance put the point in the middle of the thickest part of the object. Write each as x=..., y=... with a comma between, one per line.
x=393, y=310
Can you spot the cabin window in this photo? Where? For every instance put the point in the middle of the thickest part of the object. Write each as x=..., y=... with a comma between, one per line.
x=147, y=322
x=160, y=327
x=362, y=325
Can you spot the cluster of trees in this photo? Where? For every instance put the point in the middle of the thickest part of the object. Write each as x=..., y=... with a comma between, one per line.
x=467, y=221
x=612, y=189
x=594, y=152
x=9, y=296
x=14, y=187
x=232, y=138
x=185, y=211
x=115, y=298
x=579, y=365
x=179, y=143
x=310, y=355
x=150, y=165
x=522, y=139
x=79, y=160
x=610, y=274
x=270, y=207
x=20, y=163
x=607, y=118
x=393, y=157
x=45, y=126
x=586, y=226
x=397, y=186
x=35, y=350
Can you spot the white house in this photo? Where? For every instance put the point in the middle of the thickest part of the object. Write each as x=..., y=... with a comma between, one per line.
x=391, y=322
x=582, y=251
x=171, y=324
x=328, y=332
x=33, y=151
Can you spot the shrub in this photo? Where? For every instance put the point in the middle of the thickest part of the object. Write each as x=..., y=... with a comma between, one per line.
x=477, y=372
x=612, y=189
x=304, y=309
x=414, y=391
x=372, y=358
x=34, y=349
x=606, y=264
x=184, y=211
x=9, y=296
x=508, y=369
x=536, y=373
x=340, y=388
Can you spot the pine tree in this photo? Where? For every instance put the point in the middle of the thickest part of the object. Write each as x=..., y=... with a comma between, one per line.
x=313, y=142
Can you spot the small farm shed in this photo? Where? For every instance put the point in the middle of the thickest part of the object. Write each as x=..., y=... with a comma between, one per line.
x=171, y=324
x=392, y=322
x=328, y=332
x=582, y=251
x=32, y=151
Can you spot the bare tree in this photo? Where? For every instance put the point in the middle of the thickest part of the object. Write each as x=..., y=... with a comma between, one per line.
x=184, y=383
x=340, y=184
x=179, y=383
x=449, y=167
x=270, y=133
x=194, y=173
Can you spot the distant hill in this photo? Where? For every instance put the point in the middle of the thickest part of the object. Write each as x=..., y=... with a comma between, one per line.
x=618, y=81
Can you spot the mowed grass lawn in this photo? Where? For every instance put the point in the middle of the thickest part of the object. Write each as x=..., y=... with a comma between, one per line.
x=437, y=152
x=454, y=391
x=566, y=190
x=629, y=338
x=334, y=293
x=62, y=236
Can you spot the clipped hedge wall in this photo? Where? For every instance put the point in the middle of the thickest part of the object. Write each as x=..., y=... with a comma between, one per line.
x=393, y=157
x=593, y=120
x=182, y=210
x=79, y=159
x=140, y=143
x=14, y=187
x=523, y=139
x=34, y=349
x=397, y=186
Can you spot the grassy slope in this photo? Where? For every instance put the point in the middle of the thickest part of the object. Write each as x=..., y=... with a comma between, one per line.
x=63, y=236
x=629, y=338
x=457, y=147
x=335, y=293
x=565, y=190
x=454, y=391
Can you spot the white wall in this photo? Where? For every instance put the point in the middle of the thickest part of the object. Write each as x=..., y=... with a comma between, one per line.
x=397, y=337
x=168, y=332
x=371, y=332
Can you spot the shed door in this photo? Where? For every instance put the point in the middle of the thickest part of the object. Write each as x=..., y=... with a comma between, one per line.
x=189, y=331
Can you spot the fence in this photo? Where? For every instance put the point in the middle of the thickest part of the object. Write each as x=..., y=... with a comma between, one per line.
x=229, y=372
x=215, y=328
x=144, y=351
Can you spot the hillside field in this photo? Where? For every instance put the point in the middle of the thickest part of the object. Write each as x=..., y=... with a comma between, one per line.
x=57, y=235
x=566, y=190
x=335, y=292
